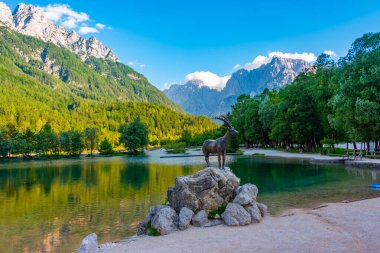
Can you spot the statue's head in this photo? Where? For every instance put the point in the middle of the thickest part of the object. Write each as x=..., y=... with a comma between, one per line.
x=233, y=131
x=230, y=127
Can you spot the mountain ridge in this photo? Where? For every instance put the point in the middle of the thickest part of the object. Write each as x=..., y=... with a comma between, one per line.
x=202, y=100
x=31, y=20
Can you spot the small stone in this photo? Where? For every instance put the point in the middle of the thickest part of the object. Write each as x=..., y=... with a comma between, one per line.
x=255, y=213
x=263, y=209
x=165, y=220
x=142, y=227
x=89, y=244
x=246, y=194
x=213, y=223
x=200, y=219
x=185, y=216
x=236, y=215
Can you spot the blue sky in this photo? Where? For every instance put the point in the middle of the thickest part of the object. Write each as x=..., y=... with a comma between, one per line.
x=168, y=40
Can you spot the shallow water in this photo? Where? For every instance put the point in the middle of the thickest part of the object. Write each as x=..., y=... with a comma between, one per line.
x=50, y=206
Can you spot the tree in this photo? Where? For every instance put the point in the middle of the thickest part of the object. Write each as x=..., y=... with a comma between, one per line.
x=105, y=147
x=47, y=140
x=91, y=136
x=76, y=142
x=134, y=135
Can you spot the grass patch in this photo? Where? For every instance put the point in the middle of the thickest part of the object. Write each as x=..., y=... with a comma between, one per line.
x=221, y=209
x=152, y=231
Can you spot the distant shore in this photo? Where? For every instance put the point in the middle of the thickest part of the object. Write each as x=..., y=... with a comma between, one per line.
x=336, y=227
x=313, y=157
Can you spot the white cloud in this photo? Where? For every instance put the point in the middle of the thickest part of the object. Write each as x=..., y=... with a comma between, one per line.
x=261, y=59
x=330, y=52
x=209, y=79
x=136, y=63
x=100, y=26
x=87, y=29
x=63, y=15
x=237, y=66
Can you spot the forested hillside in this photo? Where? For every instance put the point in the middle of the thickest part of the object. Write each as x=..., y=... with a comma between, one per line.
x=40, y=83
x=334, y=102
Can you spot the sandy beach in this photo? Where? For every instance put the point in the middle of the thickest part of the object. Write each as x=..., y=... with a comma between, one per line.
x=336, y=227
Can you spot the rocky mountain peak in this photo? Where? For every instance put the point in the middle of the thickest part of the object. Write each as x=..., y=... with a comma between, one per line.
x=32, y=21
x=6, y=17
x=273, y=75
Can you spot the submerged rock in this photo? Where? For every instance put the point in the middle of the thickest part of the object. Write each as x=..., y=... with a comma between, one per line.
x=254, y=211
x=246, y=194
x=236, y=215
x=89, y=244
x=185, y=216
x=200, y=219
x=263, y=209
x=205, y=190
x=165, y=220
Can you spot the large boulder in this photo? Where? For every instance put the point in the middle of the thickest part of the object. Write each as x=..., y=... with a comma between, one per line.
x=254, y=211
x=236, y=215
x=246, y=194
x=185, y=216
x=206, y=190
x=89, y=244
x=200, y=219
x=165, y=220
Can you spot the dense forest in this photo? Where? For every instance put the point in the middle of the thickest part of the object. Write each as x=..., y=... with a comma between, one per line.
x=45, y=85
x=333, y=102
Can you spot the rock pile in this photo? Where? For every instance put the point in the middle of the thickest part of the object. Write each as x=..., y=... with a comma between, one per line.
x=208, y=198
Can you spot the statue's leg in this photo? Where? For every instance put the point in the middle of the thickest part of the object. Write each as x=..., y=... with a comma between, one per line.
x=207, y=159
x=219, y=159
x=224, y=159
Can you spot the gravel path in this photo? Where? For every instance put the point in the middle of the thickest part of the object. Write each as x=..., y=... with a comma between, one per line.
x=338, y=227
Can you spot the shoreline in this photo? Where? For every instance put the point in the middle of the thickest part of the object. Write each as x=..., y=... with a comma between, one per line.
x=332, y=227
x=315, y=158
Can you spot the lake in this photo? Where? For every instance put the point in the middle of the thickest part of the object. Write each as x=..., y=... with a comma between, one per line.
x=49, y=206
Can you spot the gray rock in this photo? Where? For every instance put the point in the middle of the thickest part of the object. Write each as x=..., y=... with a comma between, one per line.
x=89, y=244
x=246, y=194
x=263, y=209
x=165, y=220
x=205, y=190
x=185, y=216
x=213, y=223
x=143, y=226
x=200, y=219
x=254, y=211
x=236, y=215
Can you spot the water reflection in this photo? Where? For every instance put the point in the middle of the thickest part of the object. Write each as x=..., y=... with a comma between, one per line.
x=51, y=206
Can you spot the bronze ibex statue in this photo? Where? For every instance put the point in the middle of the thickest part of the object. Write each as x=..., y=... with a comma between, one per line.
x=219, y=145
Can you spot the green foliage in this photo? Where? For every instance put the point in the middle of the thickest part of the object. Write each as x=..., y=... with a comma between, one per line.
x=219, y=211
x=91, y=136
x=328, y=104
x=105, y=147
x=176, y=147
x=97, y=93
x=134, y=135
x=152, y=231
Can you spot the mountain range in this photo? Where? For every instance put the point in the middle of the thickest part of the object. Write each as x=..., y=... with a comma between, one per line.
x=197, y=98
x=50, y=74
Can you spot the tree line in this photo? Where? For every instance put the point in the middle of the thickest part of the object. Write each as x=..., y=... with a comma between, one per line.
x=332, y=102
x=73, y=142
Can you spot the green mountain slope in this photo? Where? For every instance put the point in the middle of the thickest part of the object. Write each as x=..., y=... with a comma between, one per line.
x=40, y=83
